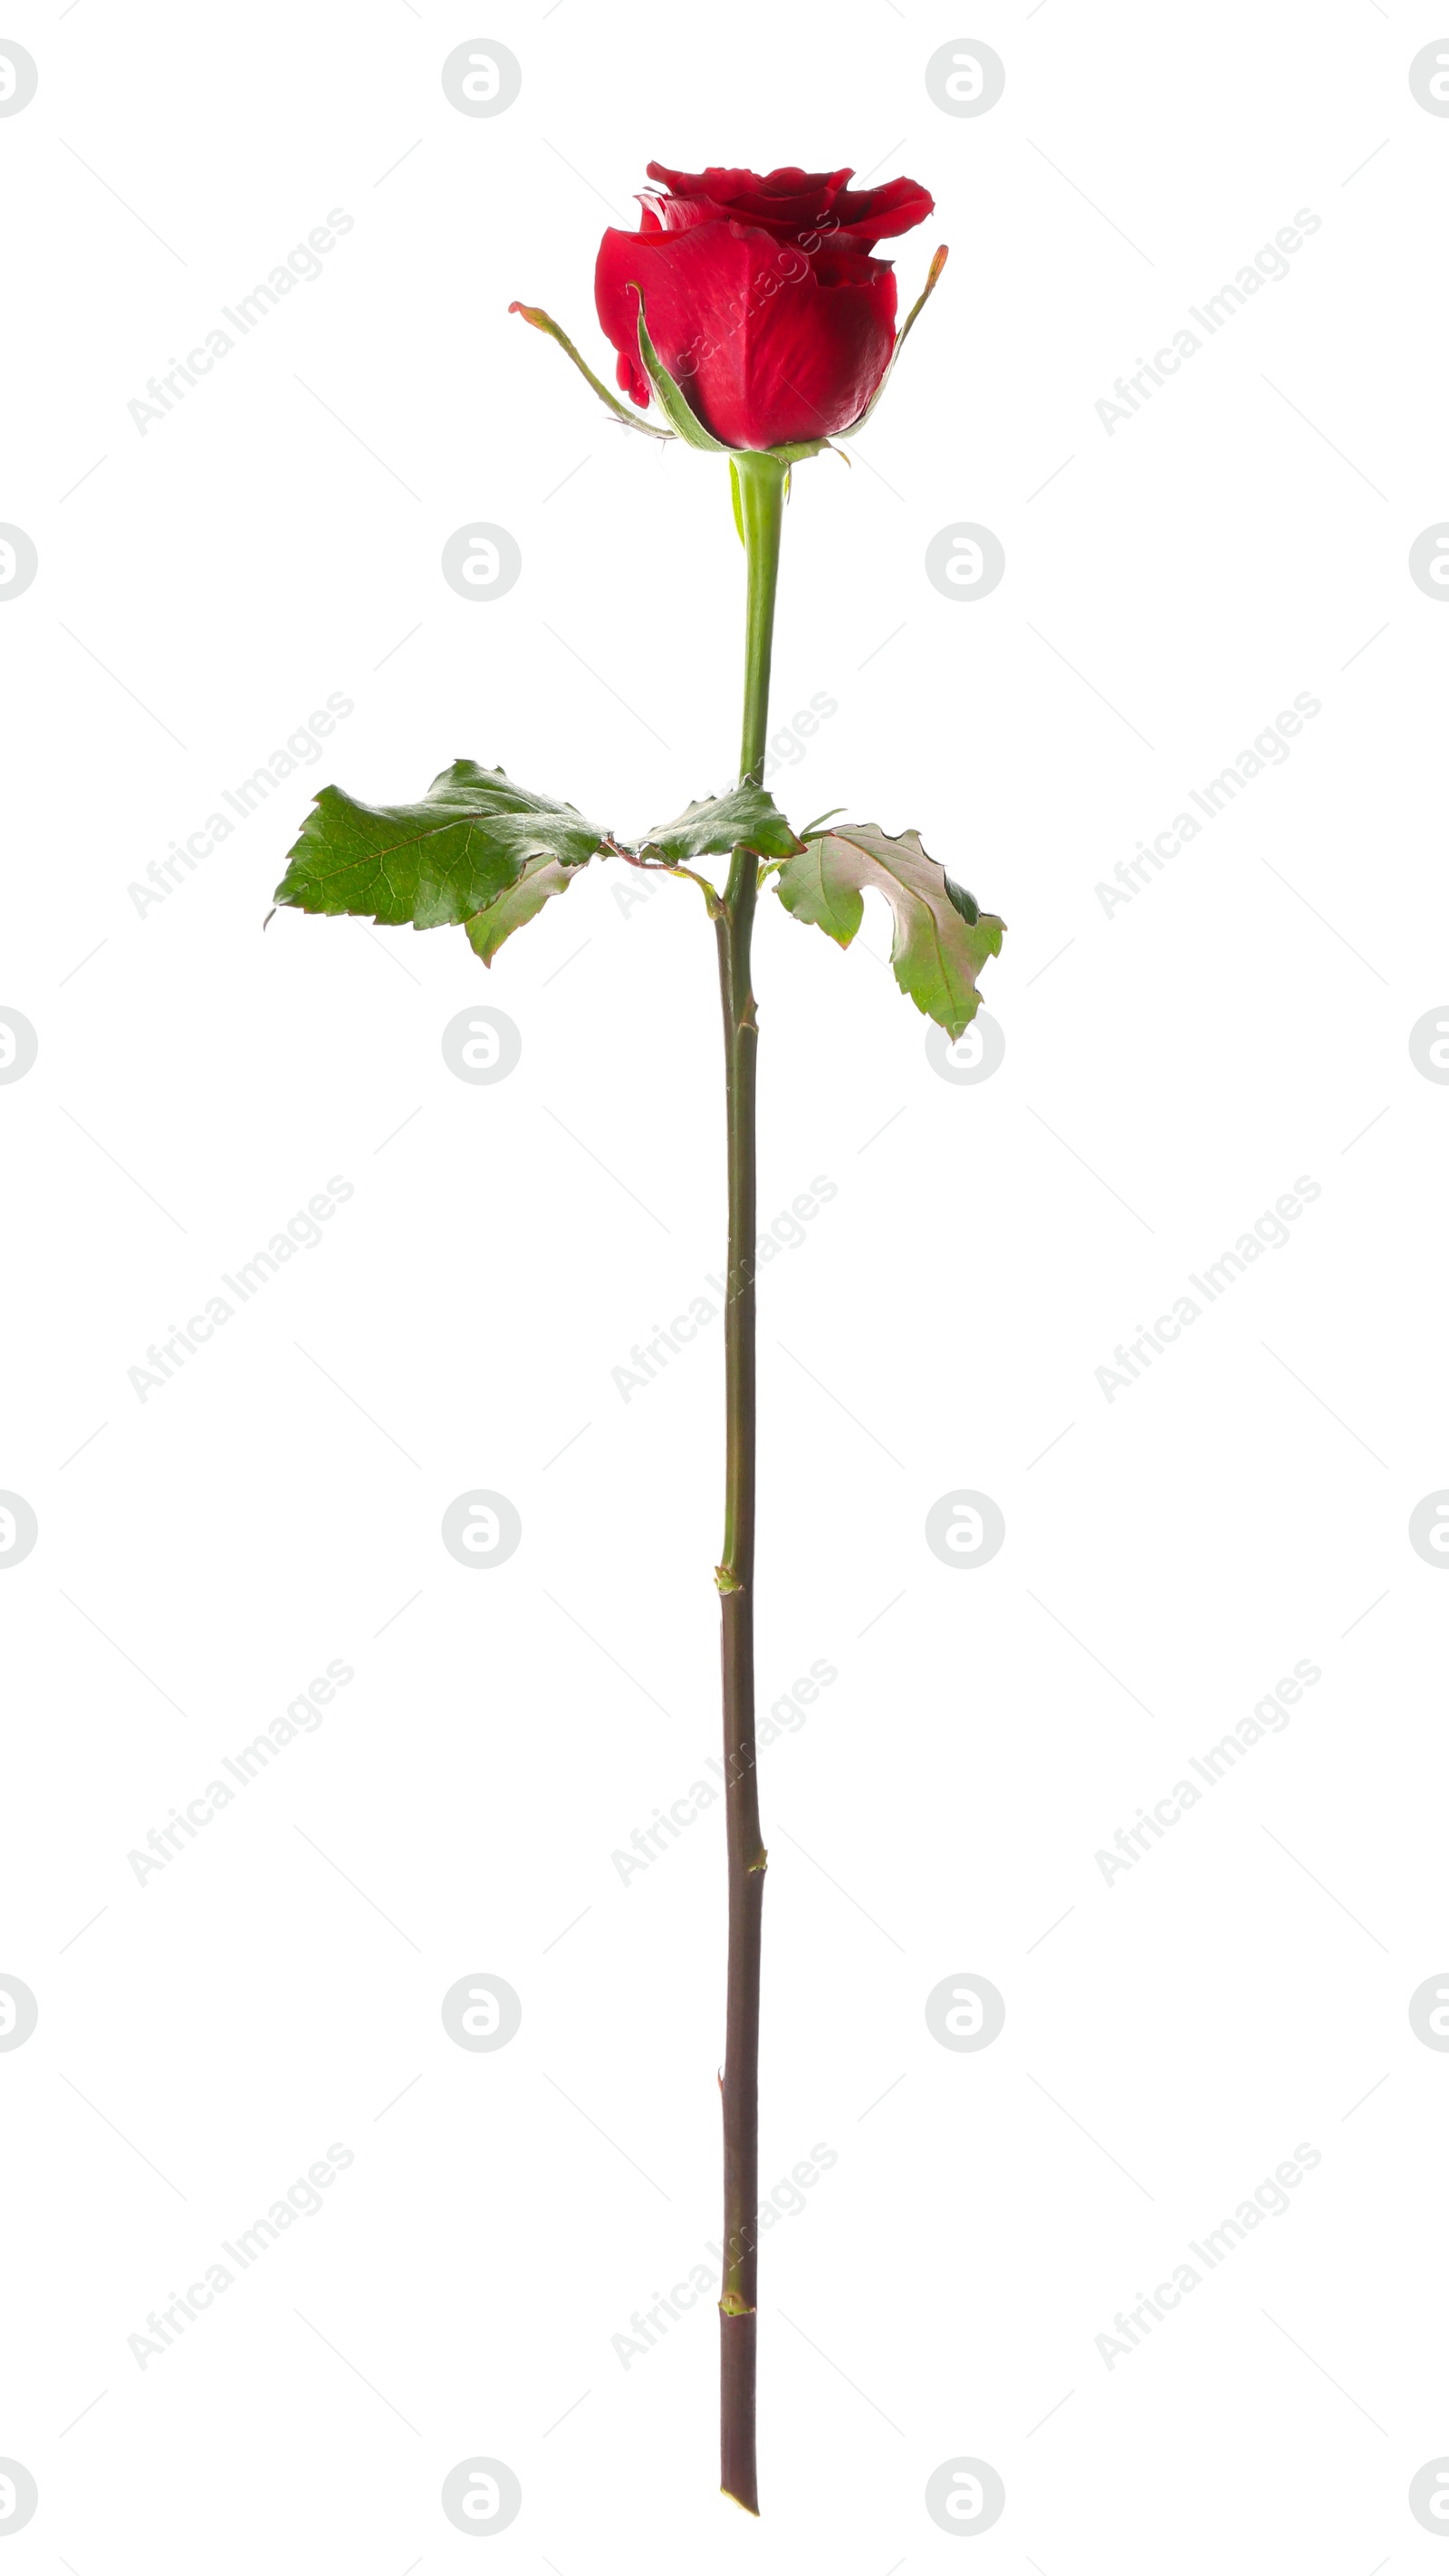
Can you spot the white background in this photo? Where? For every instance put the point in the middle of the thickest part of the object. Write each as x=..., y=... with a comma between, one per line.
x=1171, y=1068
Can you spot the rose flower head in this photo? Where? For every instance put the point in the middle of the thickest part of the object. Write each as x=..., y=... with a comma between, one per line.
x=758, y=298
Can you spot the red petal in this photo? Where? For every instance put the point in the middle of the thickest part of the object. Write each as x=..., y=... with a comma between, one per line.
x=763, y=355
x=795, y=202
x=681, y=214
x=787, y=201
x=866, y=215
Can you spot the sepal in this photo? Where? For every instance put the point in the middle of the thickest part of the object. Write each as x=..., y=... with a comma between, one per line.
x=932, y=274
x=628, y=413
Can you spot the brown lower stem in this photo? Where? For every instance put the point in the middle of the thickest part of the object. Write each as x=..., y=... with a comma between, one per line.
x=760, y=481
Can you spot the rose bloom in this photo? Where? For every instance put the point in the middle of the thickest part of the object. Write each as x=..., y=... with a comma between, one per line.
x=760, y=295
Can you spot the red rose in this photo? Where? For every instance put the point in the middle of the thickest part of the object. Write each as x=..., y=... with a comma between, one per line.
x=760, y=296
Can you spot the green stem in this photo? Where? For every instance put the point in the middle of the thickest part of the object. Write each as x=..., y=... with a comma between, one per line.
x=762, y=495
x=762, y=511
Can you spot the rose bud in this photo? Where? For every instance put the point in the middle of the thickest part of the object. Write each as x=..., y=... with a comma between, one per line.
x=753, y=308
x=761, y=297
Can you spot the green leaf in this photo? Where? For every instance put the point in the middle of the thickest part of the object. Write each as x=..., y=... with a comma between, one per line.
x=508, y=912
x=932, y=274
x=628, y=413
x=747, y=818
x=444, y=859
x=941, y=940
x=671, y=401
x=966, y=904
